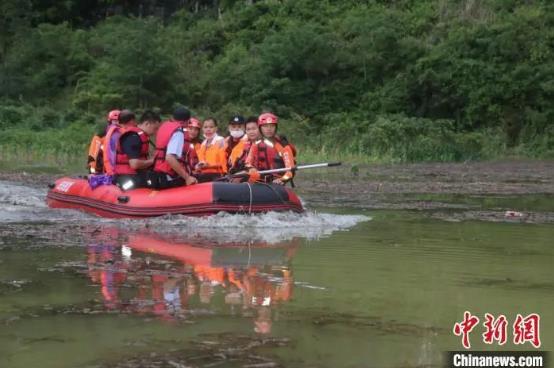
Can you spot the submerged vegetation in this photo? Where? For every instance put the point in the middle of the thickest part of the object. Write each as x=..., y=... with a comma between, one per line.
x=369, y=80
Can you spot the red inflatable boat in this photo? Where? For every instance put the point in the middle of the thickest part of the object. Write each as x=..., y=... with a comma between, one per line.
x=195, y=200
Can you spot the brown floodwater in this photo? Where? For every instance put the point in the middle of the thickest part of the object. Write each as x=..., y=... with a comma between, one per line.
x=336, y=287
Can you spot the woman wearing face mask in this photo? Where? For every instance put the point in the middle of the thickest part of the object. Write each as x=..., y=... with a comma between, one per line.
x=211, y=154
x=236, y=134
x=237, y=159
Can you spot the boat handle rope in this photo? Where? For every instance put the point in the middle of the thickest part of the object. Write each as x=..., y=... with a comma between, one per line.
x=251, y=198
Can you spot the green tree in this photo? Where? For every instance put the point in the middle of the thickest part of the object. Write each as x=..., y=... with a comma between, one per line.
x=136, y=72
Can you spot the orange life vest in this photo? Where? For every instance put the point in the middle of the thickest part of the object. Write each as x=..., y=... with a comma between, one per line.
x=189, y=153
x=197, y=142
x=109, y=148
x=213, y=154
x=237, y=160
x=268, y=154
x=230, y=144
x=95, y=162
x=205, y=273
x=122, y=166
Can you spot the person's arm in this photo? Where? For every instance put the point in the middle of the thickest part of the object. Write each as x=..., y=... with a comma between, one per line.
x=93, y=153
x=288, y=159
x=226, y=143
x=131, y=145
x=201, y=153
x=174, y=163
x=174, y=152
x=253, y=174
x=138, y=164
x=251, y=158
x=236, y=153
x=222, y=158
x=110, y=141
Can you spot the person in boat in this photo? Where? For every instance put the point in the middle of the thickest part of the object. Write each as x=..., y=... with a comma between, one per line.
x=126, y=120
x=271, y=152
x=131, y=160
x=236, y=129
x=237, y=159
x=193, y=143
x=211, y=155
x=95, y=162
x=174, y=160
x=193, y=128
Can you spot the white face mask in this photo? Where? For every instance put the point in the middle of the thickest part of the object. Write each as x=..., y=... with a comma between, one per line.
x=237, y=133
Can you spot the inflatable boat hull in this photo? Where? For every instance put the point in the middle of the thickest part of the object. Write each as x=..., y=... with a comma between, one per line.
x=195, y=200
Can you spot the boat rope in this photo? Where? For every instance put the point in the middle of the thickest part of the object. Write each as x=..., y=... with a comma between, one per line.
x=251, y=198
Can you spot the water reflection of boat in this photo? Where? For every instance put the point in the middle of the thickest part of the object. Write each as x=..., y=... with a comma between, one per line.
x=171, y=279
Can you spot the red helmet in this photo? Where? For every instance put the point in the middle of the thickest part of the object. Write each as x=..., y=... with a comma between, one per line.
x=195, y=123
x=113, y=115
x=268, y=118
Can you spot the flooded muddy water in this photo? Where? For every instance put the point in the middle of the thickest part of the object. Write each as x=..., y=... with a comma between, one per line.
x=335, y=287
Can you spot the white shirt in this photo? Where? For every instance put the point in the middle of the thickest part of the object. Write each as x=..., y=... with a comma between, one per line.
x=175, y=145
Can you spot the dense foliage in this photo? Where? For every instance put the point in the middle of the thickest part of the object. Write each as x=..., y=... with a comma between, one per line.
x=400, y=80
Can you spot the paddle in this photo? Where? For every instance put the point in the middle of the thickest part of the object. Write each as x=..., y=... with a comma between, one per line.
x=283, y=170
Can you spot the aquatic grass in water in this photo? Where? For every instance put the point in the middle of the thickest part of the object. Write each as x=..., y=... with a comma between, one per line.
x=59, y=150
x=42, y=160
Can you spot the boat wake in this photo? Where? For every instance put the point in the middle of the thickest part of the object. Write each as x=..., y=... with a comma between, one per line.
x=19, y=203
x=271, y=227
x=22, y=204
